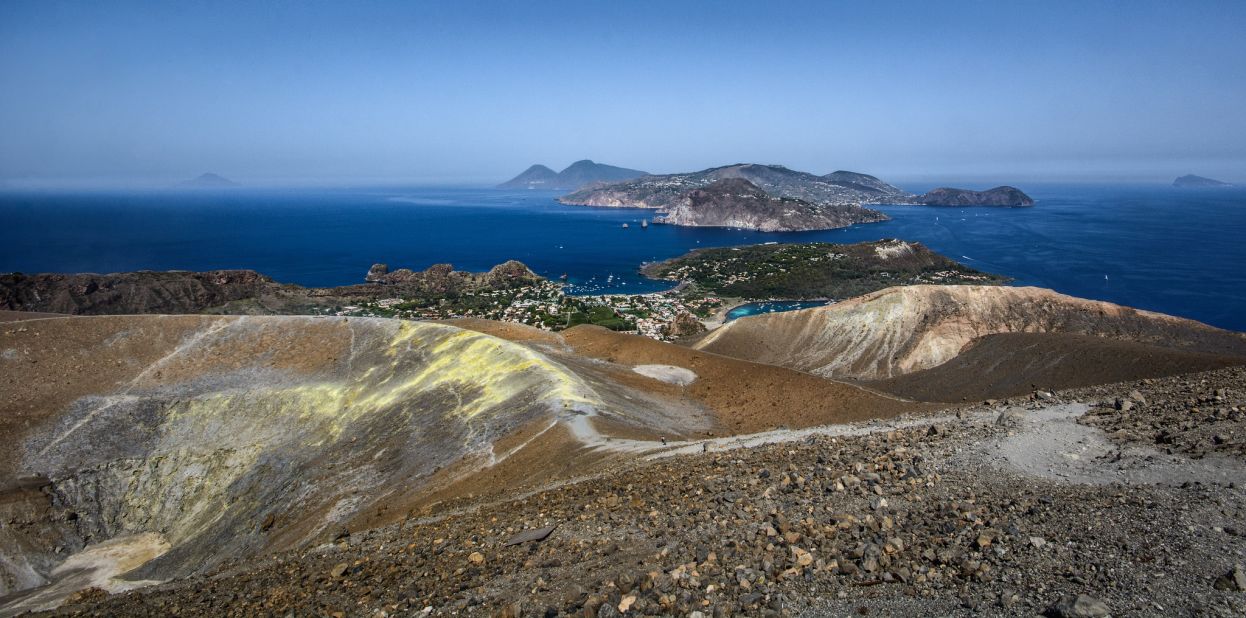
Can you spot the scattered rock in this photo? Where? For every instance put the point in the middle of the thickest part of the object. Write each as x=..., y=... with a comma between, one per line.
x=93, y=594
x=338, y=569
x=476, y=558
x=626, y=603
x=1012, y=417
x=535, y=534
x=1235, y=579
x=1081, y=606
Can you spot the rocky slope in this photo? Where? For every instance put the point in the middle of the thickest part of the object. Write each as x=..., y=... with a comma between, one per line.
x=233, y=291
x=573, y=177
x=1192, y=181
x=999, y=196
x=203, y=429
x=667, y=191
x=187, y=441
x=902, y=330
x=735, y=202
x=1024, y=508
x=135, y=292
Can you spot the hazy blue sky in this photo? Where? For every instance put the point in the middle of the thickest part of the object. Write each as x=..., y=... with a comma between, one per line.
x=474, y=92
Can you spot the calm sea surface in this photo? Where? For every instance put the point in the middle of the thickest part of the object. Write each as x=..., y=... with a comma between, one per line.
x=1177, y=251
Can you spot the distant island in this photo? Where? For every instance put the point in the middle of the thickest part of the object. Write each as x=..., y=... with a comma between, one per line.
x=769, y=198
x=999, y=196
x=736, y=202
x=773, y=198
x=573, y=177
x=1192, y=181
x=208, y=181
x=665, y=191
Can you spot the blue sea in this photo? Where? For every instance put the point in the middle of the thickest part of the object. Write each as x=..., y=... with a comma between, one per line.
x=1181, y=252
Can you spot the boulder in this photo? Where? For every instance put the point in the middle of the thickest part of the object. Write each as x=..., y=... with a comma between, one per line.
x=1081, y=606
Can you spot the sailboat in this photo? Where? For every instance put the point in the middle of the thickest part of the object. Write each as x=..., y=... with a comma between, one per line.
x=644, y=223
x=625, y=226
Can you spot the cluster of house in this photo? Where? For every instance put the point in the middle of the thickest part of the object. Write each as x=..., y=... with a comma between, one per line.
x=545, y=305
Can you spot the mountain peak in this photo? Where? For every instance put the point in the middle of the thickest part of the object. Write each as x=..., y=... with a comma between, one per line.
x=208, y=180
x=576, y=175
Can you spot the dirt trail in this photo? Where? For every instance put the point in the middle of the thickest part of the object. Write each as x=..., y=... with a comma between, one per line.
x=1049, y=443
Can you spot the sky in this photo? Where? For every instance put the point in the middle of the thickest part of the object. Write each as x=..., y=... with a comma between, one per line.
x=474, y=92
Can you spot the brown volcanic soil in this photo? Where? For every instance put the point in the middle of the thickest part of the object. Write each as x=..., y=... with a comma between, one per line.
x=1011, y=364
x=55, y=366
x=129, y=424
x=892, y=521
